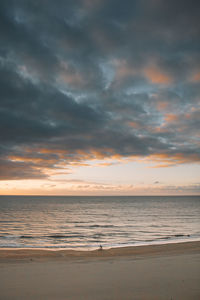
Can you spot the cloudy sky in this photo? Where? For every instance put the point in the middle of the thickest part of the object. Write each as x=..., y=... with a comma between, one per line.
x=100, y=97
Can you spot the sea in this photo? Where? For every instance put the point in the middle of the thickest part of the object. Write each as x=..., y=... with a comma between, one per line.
x=85, y=223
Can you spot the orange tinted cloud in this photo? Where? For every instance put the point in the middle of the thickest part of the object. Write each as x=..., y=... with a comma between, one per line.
x=52, y=151
x=164, y=160
x=196, y=77
x=157, y=76
x=162, y=105
x=134, y=124
x=171, y=118
x=160, y=129
x=34, y=160
x=78, y=164
x=73, y=78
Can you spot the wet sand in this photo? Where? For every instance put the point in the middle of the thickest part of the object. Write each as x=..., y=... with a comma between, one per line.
x=169, y=271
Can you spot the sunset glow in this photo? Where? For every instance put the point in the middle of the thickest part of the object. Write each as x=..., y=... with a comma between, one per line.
x=99, y=98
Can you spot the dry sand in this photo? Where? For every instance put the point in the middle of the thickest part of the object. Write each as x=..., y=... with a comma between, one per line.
x=133, y=273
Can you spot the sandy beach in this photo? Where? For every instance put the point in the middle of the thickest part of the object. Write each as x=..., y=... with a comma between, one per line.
x=170, y=271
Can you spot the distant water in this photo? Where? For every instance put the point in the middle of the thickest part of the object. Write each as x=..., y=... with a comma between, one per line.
x=86, y=222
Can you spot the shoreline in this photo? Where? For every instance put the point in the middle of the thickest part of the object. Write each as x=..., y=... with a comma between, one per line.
x=7, y=254
x=161, y=241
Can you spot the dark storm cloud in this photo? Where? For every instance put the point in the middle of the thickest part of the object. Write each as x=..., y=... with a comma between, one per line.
x=93, y=79
x=19, y=170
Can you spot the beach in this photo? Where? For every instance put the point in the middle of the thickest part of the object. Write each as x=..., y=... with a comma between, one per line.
x=168, y=271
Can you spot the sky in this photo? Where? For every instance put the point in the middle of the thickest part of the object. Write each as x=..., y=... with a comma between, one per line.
x=100, y=97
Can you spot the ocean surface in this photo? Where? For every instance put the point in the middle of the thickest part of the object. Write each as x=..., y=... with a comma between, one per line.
x=84, y=223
